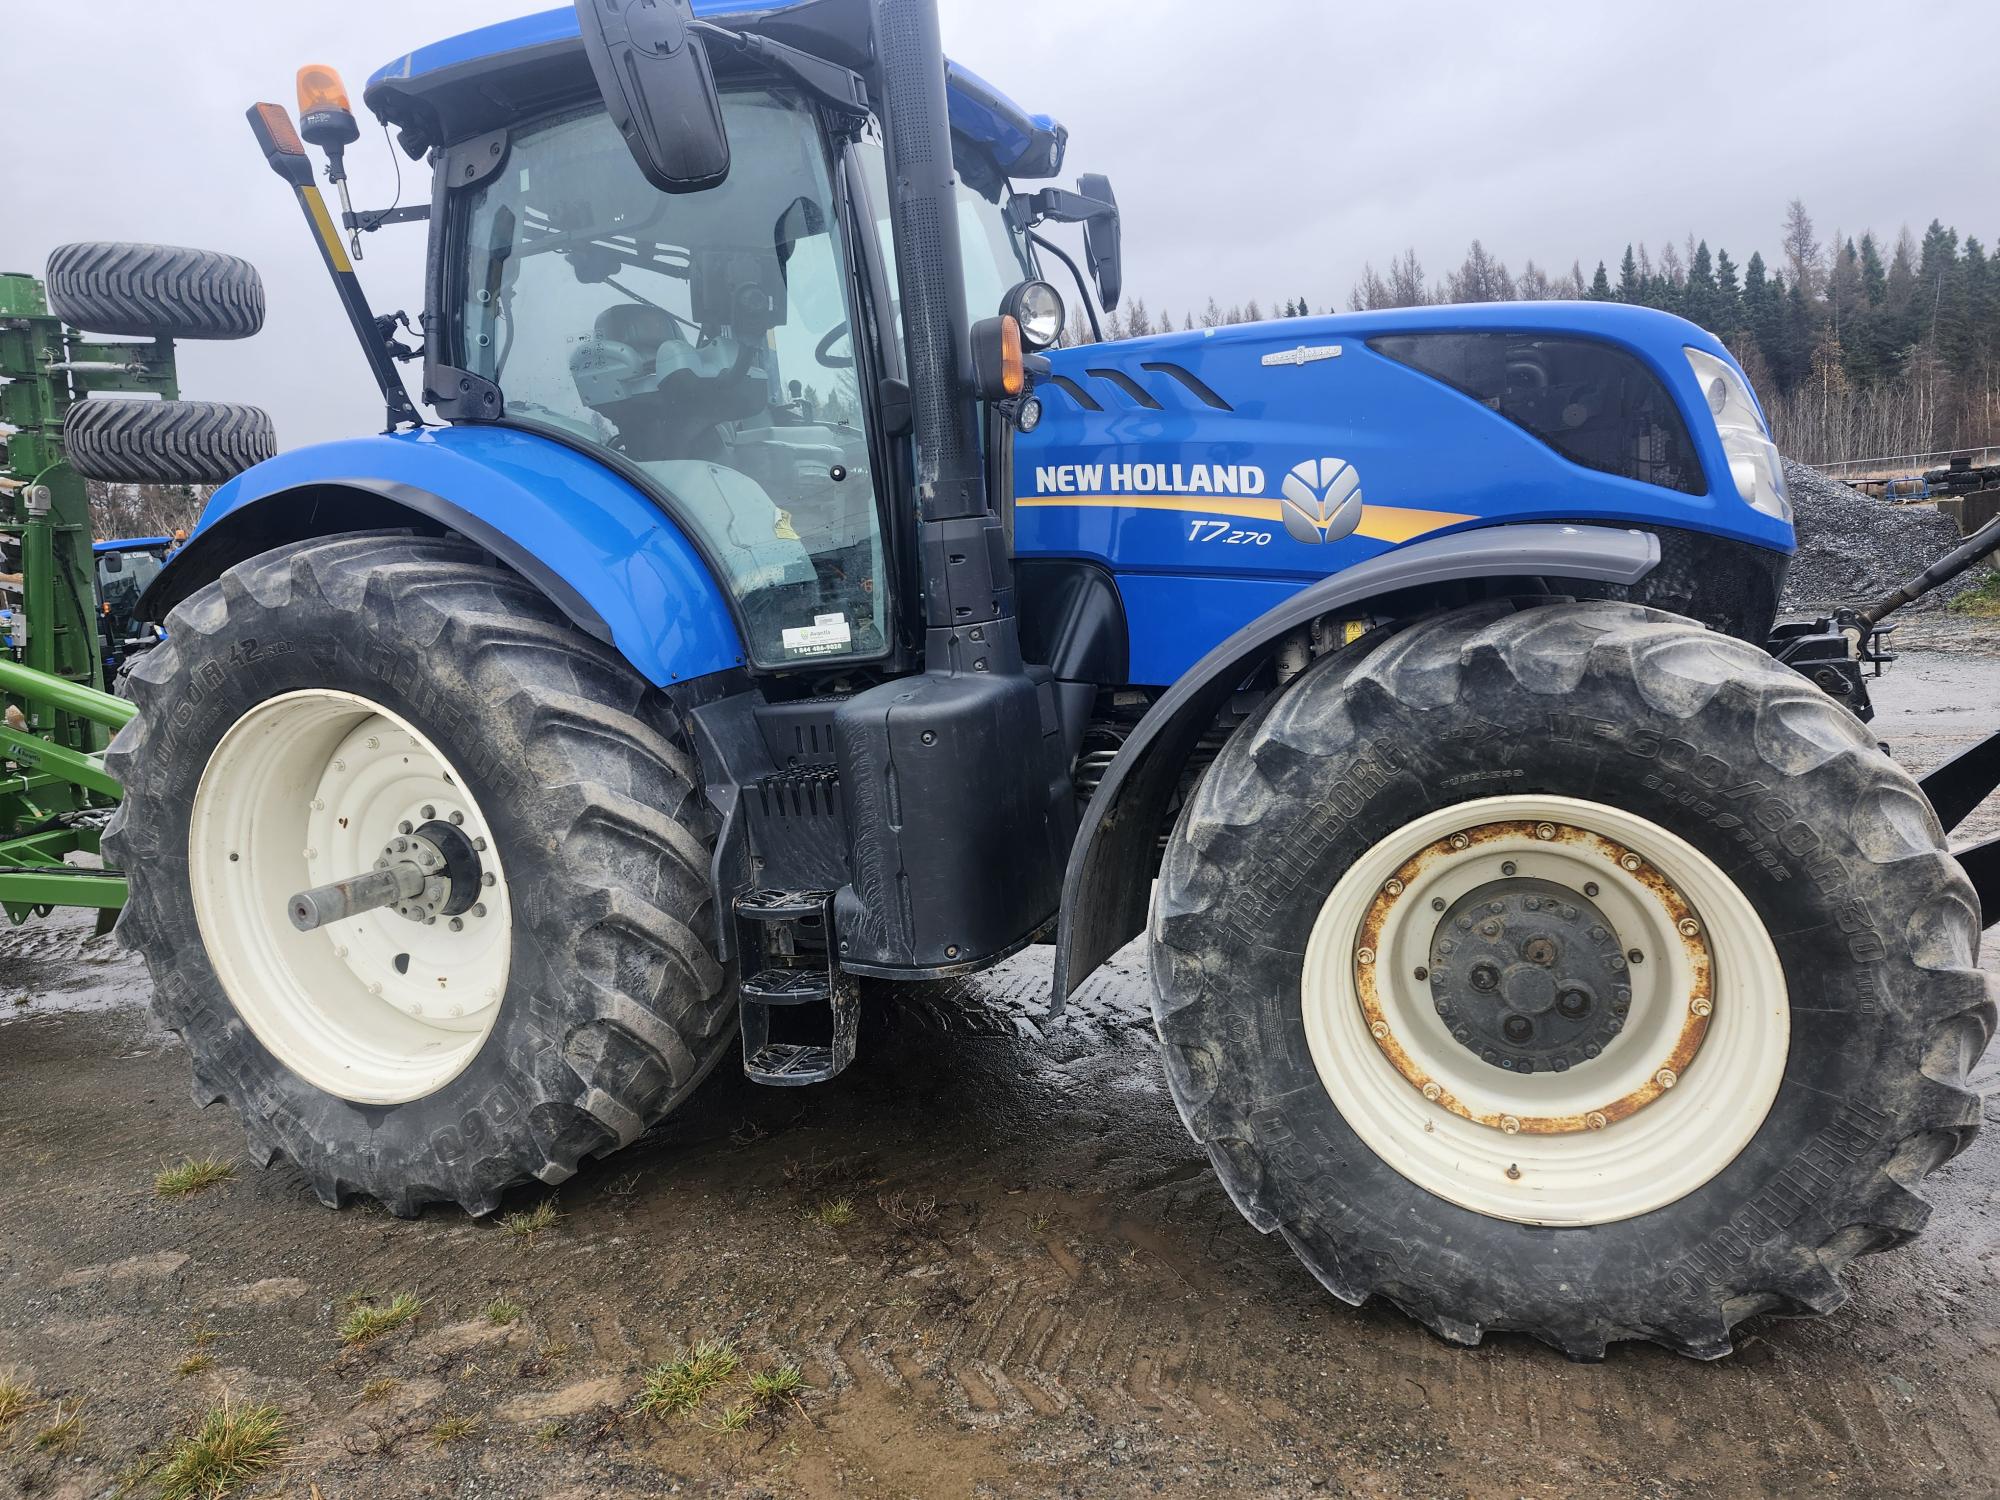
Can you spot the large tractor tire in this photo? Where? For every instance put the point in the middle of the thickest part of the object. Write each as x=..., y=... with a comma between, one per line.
x=1569, y=969
x=165, y=442
x=154, y=291
x=547, y=998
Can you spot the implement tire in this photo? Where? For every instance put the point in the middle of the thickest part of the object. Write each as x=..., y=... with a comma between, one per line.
x=165, y=442
x=154, y=291
x=330, y=697
x=1394, y=976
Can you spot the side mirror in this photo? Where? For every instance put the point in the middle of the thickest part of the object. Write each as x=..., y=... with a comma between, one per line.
x=654, y=76
x=1102, y=240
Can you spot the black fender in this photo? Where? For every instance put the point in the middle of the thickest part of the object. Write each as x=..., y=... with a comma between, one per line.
x=1108, y=883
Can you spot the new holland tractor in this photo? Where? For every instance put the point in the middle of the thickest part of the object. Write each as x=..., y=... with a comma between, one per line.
x=761, y=601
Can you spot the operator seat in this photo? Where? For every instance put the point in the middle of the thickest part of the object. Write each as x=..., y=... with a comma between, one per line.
x=665, y=395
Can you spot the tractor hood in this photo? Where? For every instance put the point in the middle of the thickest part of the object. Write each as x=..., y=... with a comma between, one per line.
x=481, y=79
x=1275, y=453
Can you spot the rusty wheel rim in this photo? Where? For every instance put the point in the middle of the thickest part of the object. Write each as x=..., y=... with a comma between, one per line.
x=1625, y=1045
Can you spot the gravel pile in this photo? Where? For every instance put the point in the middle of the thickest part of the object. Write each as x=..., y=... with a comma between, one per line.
x=1853, y=549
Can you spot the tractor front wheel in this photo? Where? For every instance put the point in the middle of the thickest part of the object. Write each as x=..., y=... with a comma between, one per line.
x=1569, y=969
x=540, y=989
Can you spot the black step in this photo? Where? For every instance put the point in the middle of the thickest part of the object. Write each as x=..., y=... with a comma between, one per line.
x=789, y=1065
x=787, y=987
x=782, y=906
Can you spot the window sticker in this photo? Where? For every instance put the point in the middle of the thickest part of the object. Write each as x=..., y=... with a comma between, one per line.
x=828, y=635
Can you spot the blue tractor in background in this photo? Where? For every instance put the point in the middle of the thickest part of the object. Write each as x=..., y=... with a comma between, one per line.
x=769, y=602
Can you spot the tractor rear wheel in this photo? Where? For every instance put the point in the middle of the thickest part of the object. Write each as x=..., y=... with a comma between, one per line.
x=1569, y=969
x=548, y=996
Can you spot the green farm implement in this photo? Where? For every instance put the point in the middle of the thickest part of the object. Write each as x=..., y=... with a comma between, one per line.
x=55, y=434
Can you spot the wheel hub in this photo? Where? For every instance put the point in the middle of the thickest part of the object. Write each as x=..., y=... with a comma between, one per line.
x=1529, y=976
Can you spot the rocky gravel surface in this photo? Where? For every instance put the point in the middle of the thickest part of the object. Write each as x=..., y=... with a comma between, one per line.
x=1853, y=548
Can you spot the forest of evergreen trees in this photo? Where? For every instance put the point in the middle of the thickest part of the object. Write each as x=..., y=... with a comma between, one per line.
x=1858, y=347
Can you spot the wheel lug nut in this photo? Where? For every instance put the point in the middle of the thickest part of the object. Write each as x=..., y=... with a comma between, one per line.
x=1545, y=831
x=1437, y=903
x=479, y=844
x=1666, y=1078
x=479, y=910
x=1510, y=1125
x=458, y=924
x=1507, y=868
x=458, y=820
x=1701, y=1007
x=1422, y=973
x=429, y=812
x=489, y=878
x=1636, y=956
x=1595, y=1119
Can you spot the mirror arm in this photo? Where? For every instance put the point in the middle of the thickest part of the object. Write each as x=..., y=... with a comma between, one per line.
x=841, y=88
x=1057, y=205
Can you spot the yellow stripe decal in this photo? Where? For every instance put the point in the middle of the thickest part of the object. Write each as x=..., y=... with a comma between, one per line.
x=1382, y=523
x=323, y=222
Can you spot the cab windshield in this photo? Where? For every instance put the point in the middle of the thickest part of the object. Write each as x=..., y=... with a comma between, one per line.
x=704, y=337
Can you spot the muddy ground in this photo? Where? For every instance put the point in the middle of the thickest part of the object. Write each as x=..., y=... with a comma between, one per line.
x=1037, y=1287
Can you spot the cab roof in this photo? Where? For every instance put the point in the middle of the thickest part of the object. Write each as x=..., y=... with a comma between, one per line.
x=477, y=79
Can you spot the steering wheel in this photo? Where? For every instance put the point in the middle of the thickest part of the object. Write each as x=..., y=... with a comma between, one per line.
x=823, y=352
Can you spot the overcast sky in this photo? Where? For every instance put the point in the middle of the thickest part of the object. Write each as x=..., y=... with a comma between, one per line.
x=1262, y=148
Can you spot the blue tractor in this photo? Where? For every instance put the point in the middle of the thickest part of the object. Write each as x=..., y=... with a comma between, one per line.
x=768, y=602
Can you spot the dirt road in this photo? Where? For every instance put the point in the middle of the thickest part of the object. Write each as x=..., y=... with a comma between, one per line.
x=1000, y=1264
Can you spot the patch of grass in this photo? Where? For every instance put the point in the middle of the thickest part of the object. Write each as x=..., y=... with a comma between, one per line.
x=451, y=1429
x=502, y=1311
x=195, y=1363
x=193, y=1175
x=232, y=1446
x=64, y=1429
x=775, y=1387
x=528, y=1223
x=732, y=1418
x=831, y=1213
x=16, y=1396
x=911, y=1211
x=681, y=1385
x=369, y=1321
x=551, y=1432
x=1983, y=601
x=379, y=1389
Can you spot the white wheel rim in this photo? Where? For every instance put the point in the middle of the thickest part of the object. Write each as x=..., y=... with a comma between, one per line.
x=309, y=788
x=1610, y=1138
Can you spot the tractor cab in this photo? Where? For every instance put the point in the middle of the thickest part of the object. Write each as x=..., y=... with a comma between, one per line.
x=735, y=349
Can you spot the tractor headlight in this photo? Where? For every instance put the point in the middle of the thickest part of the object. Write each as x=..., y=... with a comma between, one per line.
x=1746, y=443
x=1038, y=308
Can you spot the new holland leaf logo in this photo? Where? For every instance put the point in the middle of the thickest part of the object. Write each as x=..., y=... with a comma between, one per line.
x=1322, y=500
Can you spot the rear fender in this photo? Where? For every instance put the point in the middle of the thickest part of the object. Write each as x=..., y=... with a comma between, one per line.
x=604, y=553
x=1109, y=880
